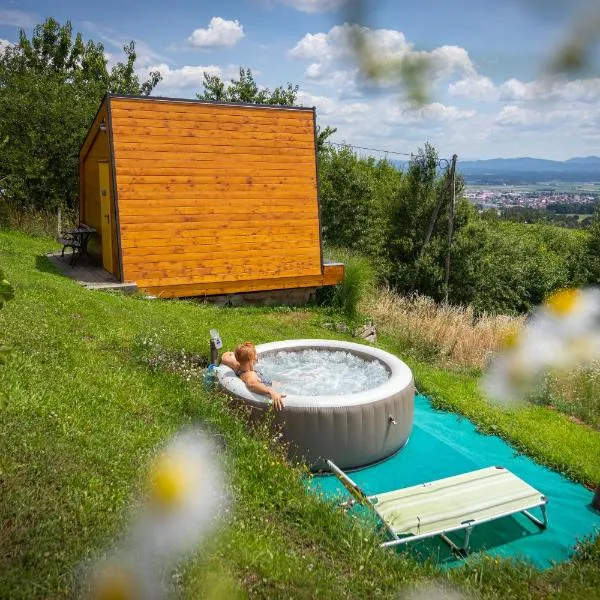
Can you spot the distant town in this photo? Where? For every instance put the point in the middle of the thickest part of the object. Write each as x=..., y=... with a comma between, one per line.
x=532, y=190
x=565, y=204
x=540, y=197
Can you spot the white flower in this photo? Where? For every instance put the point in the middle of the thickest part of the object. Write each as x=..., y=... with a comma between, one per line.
x=508, y=379
x=187, y=495
x=563, y=333
x=120, y=577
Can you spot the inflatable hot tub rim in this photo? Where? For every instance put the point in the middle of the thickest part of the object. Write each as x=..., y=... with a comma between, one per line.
x=400, y=375
x=352, y=430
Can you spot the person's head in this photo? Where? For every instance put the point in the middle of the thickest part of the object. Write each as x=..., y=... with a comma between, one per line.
x=245, y=354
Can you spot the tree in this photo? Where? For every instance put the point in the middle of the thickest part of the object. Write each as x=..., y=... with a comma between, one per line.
x=323, y=135
x=50, y=88
x=418, y=239
x=245, y=89
x=355, y=195
x=593, y=249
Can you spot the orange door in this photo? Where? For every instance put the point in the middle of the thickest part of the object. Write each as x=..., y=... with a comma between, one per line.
x=105, y=216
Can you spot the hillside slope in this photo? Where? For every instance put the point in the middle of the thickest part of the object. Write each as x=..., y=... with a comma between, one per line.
x=95, y=382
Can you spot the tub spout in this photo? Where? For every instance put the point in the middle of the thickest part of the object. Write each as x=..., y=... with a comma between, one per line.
x=392, y=421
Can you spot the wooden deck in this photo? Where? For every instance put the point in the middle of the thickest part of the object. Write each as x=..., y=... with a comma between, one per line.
x=88, y=274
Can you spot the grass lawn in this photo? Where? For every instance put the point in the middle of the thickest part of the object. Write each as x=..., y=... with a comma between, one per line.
x=82, y=412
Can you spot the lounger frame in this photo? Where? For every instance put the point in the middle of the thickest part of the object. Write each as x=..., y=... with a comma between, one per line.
x=467, y=526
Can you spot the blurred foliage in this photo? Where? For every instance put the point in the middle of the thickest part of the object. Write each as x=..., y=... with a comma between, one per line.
x=50, y=88
x=576, y=53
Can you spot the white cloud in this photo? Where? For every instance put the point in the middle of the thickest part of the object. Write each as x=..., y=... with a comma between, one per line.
x=548, y=116
x=380, y=123
x=338, y=43
x=5, y=44
x=447, y=60
x=311, y=46
x=572, y=122
x=348, y=112
x=557, y=90
x=516, y=116
x=16, y=18
x=433, y=113
x=334, y=58
x=476, y=88
x=220, y=33
x=186, y=77
x=313, y=6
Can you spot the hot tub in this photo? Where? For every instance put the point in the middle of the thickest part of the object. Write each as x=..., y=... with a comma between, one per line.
x=352, y=430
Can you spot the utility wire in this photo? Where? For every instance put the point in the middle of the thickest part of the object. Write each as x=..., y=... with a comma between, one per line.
x=370, y=149
x=386, y=152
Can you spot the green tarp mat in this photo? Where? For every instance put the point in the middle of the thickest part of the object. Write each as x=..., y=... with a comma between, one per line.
x=443, y=444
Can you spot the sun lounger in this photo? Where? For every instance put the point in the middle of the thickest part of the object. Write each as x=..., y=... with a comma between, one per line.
x=452, y=504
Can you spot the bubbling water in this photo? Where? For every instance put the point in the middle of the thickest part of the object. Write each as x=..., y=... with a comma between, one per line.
x=322, y=372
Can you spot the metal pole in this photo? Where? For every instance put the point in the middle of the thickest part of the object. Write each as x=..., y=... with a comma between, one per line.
x=434, y=217
x=450, y=223
x=214, y=353
x=58, y=221
x=432, y=222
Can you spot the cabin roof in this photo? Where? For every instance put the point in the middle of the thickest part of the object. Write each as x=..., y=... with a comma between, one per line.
x=167, y=99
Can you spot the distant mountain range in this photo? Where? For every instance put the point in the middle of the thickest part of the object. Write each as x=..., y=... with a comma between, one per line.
x=528, y=170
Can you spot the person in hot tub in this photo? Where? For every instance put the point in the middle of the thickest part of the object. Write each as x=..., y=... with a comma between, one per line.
x=243, y=362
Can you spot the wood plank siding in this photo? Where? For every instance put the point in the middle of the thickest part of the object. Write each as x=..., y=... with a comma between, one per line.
x=96, y=149
x=215, y=198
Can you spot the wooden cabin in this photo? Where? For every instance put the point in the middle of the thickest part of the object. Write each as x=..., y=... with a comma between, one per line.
x=192, y=198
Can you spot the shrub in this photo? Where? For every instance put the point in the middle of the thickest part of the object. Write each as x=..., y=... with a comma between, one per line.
x=355, y=196
x=512, y=267
x=359, y=281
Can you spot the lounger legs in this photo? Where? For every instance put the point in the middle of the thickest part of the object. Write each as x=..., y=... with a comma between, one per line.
x=462, y=550
x=541, y=524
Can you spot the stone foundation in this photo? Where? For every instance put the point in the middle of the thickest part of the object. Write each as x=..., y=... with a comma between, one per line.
x=291, y=297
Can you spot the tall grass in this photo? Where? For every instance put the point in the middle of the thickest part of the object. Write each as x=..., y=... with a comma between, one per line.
x=451, y=334
x=33, y=222
x=359, y=282
x=575, y=393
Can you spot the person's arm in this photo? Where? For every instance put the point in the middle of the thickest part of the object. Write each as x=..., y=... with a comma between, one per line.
x=255, y=385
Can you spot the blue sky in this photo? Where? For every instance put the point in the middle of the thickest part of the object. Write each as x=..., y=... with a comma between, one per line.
x=490, y=94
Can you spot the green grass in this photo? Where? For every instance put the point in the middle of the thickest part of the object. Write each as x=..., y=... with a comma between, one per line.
x=83, y=409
